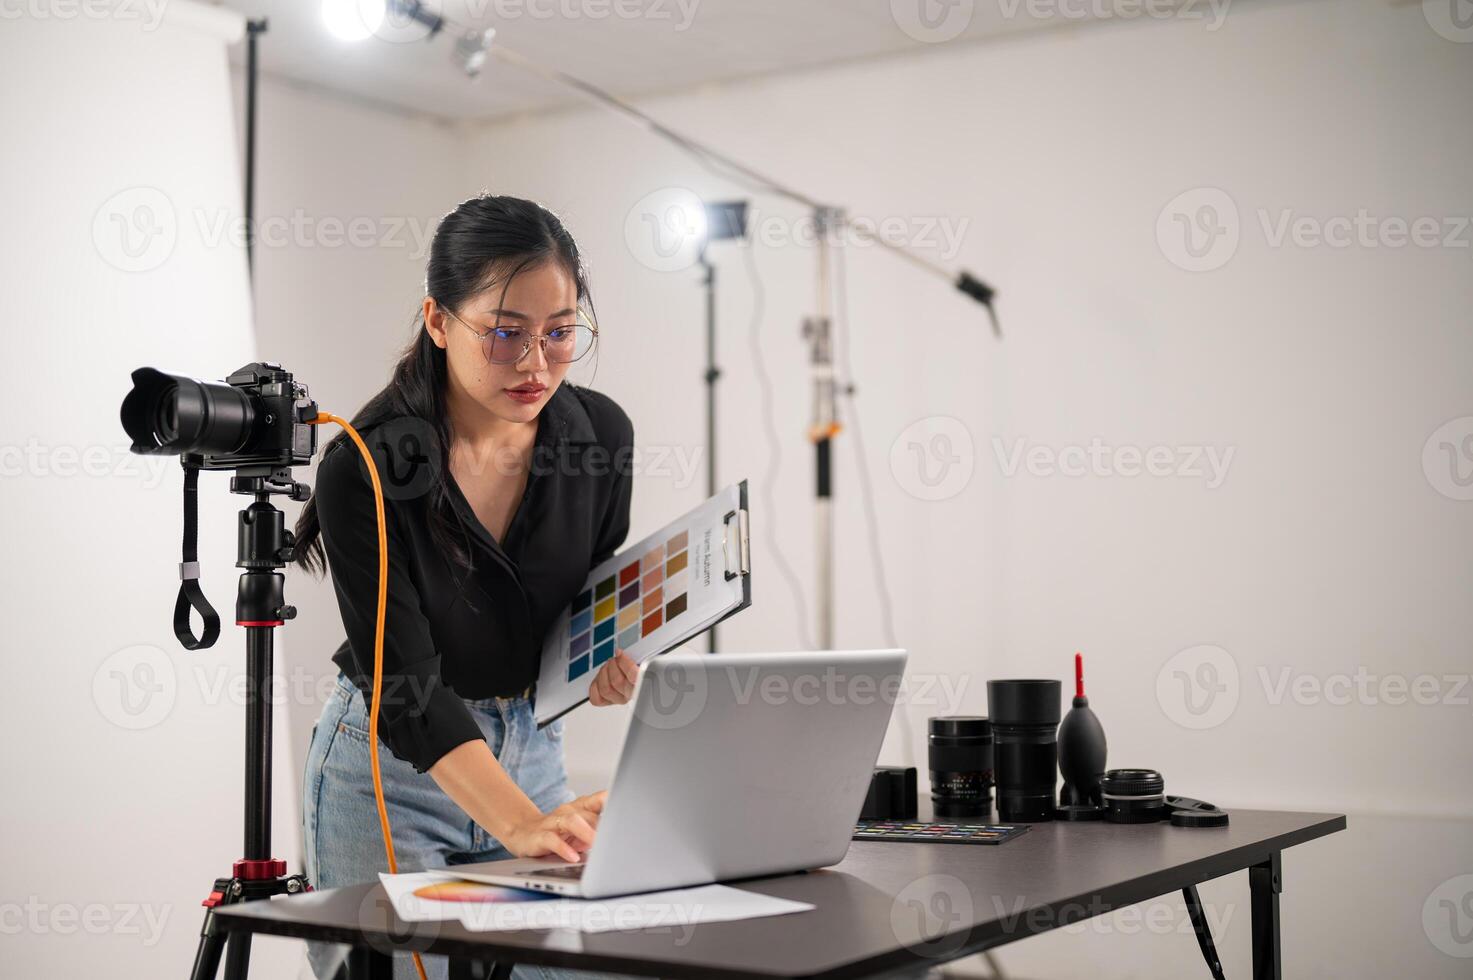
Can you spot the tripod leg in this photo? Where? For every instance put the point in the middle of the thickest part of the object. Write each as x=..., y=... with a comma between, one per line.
x=1203, y=929
x=238, y=956
x=207, y=956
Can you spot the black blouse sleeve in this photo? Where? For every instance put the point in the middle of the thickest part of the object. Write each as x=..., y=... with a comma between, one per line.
x=620, y=445
x=420, y=718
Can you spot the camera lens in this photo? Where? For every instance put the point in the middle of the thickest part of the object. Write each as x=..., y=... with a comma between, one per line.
x=1025, y=726
x=1134, y=796
x=960, y=754
x=166, y=414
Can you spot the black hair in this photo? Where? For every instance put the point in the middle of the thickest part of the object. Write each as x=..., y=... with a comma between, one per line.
x=485, y=241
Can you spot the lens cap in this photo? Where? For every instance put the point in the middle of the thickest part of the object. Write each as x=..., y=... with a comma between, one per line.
x=1199, y=818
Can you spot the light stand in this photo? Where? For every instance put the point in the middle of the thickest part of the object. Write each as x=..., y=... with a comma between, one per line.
x=724, y=220
x=818, y=331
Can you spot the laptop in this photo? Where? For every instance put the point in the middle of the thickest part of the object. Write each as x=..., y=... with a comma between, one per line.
x=733, y=766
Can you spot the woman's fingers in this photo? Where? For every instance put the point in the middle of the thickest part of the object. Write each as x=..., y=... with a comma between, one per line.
x=628, y=670
x=554, y=844
x=570, y=823
x=593, y=801
x=614, y=682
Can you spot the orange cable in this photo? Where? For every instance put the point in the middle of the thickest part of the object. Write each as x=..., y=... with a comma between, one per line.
x=380, y=614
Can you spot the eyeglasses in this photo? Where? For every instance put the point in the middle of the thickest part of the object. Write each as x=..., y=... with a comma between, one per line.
x=560, y=345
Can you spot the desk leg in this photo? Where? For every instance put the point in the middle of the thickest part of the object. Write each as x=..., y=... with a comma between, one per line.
x=1265, y=882
x=367, y=963
x=466, y=969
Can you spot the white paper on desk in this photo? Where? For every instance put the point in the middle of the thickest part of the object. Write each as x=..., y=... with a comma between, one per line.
x=411, y=908
x=653, y=910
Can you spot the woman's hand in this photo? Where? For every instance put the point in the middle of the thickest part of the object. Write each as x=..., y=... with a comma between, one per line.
x=567, y=831
x=614, y=683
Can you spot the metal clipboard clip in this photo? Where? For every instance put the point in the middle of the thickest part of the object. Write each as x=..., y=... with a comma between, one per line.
x=734, y=532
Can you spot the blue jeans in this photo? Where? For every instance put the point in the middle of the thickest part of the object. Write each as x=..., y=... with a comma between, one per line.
x=340, y=824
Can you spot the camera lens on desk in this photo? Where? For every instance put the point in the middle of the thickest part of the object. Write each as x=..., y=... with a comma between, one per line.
x=1025, y=724
x=960, y=754
x=1134, y=796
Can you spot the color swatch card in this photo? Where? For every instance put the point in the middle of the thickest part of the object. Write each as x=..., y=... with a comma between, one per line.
x=650, y=598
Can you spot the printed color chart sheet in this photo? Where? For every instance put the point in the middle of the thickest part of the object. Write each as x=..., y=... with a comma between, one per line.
x=650, y=598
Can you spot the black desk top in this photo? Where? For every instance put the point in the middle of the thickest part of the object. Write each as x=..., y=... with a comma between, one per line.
x=885, y=907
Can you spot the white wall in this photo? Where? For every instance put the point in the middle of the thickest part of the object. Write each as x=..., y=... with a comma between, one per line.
x=1326, y=550
x=123, y=759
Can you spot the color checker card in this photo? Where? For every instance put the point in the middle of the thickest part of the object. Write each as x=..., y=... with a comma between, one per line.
x=937, y=833
x=624, y=607
x=649, y=598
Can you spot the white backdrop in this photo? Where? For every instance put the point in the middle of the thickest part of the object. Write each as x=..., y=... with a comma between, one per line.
x=123, y=761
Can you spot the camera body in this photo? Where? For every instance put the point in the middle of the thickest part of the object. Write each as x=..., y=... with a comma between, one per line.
x=260, y=418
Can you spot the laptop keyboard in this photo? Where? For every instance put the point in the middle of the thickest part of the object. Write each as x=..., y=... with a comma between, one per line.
x=572, y=871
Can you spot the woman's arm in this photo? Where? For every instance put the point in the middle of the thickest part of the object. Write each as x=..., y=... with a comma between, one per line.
x=472, y=777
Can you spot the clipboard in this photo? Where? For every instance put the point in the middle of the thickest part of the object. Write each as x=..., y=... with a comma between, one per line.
x=650, y=598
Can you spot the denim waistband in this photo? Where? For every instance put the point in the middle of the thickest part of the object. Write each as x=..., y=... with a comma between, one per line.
x=492, y=703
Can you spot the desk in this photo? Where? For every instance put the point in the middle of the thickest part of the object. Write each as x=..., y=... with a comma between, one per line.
x=887, y=909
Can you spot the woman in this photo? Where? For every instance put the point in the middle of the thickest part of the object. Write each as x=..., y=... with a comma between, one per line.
x=503, y=486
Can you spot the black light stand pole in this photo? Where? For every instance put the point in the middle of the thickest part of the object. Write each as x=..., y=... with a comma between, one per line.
x=254, y=28
x=711, y=375
x=724, y=220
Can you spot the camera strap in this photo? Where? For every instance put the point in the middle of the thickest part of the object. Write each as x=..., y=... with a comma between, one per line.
x=190, y=594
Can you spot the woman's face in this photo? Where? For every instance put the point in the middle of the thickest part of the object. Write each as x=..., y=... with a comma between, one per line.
x=539, y=299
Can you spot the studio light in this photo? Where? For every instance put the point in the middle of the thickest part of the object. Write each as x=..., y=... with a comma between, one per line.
x=471, y=49
x=353, y=20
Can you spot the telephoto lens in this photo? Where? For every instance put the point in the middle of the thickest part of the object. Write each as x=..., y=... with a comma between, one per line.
x=1025, y=724
x=1134, y=796
x=960, y=752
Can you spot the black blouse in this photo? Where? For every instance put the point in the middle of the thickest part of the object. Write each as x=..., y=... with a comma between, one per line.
x=451, y=634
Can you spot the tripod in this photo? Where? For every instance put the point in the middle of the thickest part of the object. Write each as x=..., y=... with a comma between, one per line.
x=264, y=545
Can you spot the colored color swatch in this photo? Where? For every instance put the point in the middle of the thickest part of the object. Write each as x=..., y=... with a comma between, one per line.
x=475, y=891
x=624, y=608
